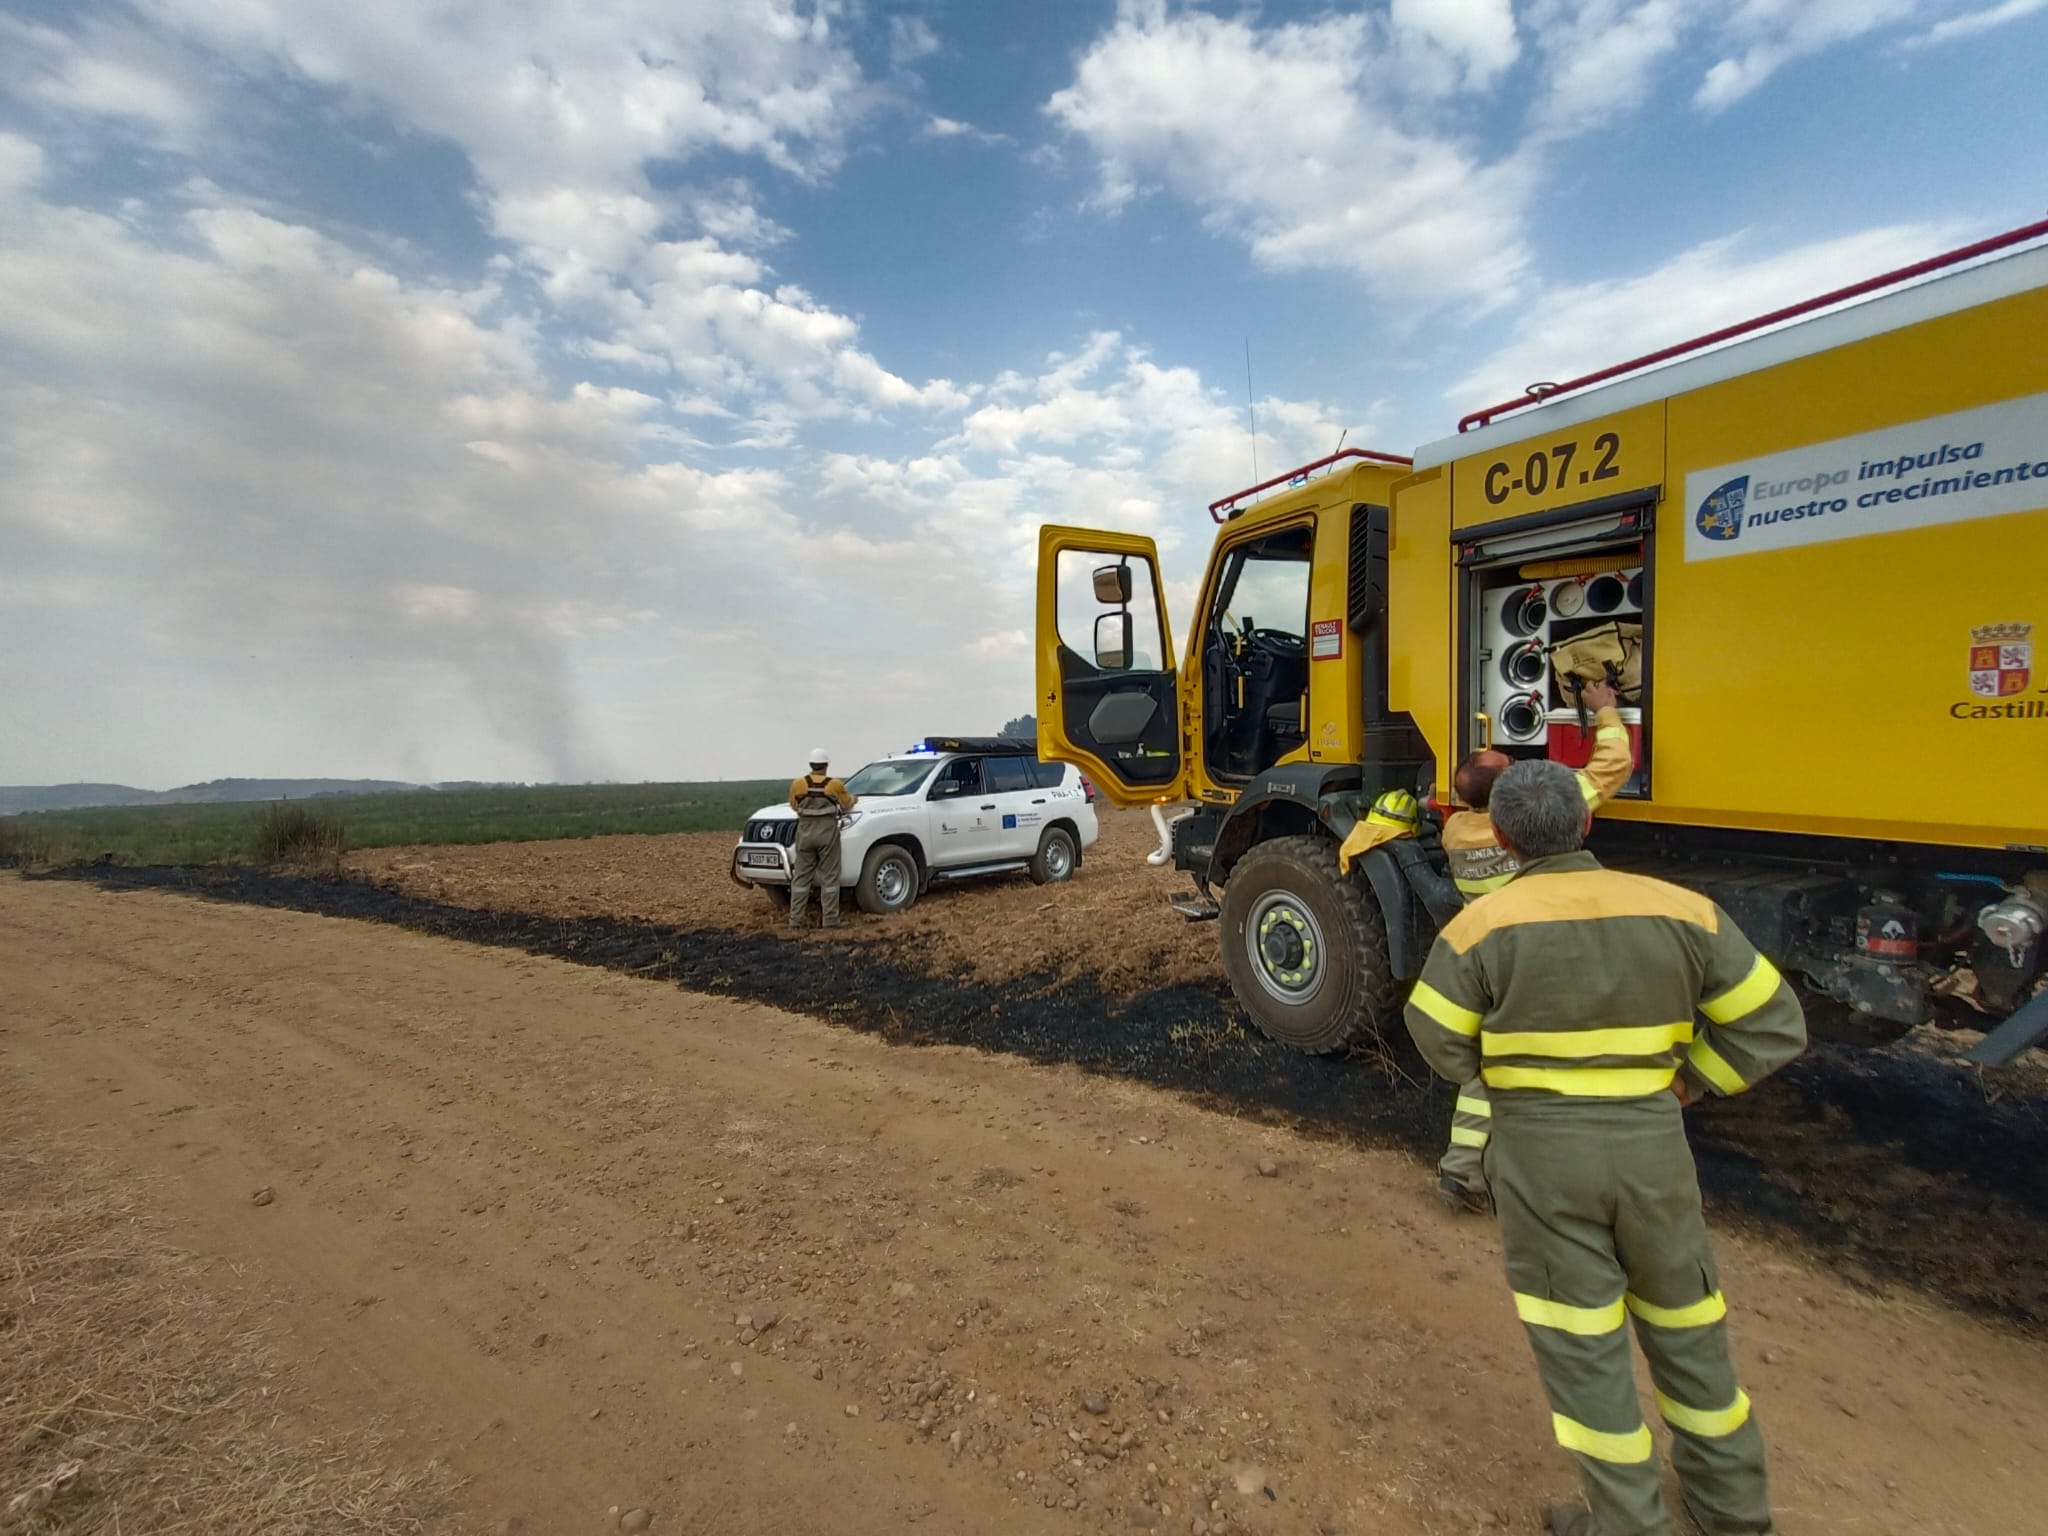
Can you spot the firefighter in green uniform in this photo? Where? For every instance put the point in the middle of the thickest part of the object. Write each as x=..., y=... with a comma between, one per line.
x=1478, y=865
x=819, y=800
x=1595, y=1005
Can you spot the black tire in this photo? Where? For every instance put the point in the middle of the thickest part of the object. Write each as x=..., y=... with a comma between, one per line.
x=888, y=880
x=1313, y=998
x=1056, y=858
x=779, y=894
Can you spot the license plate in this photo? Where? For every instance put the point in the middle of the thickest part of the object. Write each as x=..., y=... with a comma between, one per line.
x=761, y=860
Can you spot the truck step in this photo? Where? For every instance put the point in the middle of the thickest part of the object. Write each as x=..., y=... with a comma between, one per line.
x=1195, y=908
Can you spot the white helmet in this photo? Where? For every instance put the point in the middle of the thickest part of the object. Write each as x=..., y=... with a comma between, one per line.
x=818, y=759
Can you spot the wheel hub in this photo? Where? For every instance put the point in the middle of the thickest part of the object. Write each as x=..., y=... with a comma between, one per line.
x=1282, y=945
x=1286, y=948
x=891, y=880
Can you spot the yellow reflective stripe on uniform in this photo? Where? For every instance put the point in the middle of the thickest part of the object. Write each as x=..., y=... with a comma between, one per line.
x=1467, y=1105
x=1611, y=733
x=1713, y=1066
x=1587, y=1322
x=1584, y=1082
x=1582, y=1044
x=1628, y=1449
x=1712, y=1423
x=1481, y=887
x=1459, y=1021
x=1746, y=996
x=1709, y=1310
x=1465, y=1136
x=1589, y=789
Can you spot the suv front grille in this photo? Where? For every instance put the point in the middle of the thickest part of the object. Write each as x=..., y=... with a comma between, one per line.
x=781, y=831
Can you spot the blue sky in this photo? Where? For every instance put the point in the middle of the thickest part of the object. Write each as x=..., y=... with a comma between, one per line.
x=650, y=388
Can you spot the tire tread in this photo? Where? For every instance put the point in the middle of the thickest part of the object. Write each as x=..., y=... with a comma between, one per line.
x=1373, y=998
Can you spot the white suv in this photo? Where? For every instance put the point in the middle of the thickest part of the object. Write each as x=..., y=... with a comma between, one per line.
x=952, y=806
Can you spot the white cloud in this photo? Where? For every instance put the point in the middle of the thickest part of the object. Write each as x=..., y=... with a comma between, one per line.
x=1601, y=58
x=21, y=164
x=1772, y=33
x=344, y=519
x=1363, y=183
x=950, y=128
x=1976, y=22
x=542, y=95
x=562, y=110
x=106, y=71
x=1478, y=35
x=1576, y=329
x=911, y=38
x=266, y=450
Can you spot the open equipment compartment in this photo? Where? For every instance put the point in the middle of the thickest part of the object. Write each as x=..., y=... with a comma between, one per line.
x=1529, y=585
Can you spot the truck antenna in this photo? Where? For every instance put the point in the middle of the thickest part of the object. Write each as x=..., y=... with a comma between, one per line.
x=1251, y=409
x=1340, y=441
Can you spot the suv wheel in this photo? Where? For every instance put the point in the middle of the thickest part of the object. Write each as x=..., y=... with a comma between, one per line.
x=888, y=880
x=1054, y=860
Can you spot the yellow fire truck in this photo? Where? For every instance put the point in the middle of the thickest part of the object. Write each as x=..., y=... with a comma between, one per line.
x=1814, y=549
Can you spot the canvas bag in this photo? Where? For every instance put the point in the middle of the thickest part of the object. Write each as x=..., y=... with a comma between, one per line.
x=1588, y=656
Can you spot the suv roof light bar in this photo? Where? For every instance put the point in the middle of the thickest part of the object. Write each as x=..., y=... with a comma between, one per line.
x=986, y=746
x=1542, y=392
x=1224, y=507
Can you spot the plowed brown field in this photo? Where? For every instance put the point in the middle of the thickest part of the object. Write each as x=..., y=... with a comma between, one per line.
x=599, y=1244
x=1109, y=923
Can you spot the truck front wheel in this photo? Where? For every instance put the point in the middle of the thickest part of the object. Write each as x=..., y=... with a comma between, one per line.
x=1305, y=948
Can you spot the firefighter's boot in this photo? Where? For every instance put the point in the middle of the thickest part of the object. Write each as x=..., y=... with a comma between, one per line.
x=1572, y=1520
x=1461, y=1198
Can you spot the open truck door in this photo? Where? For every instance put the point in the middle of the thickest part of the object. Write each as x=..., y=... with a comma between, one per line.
x=1107, y=698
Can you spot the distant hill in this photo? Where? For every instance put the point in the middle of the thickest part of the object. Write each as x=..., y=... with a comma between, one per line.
x=17, y=798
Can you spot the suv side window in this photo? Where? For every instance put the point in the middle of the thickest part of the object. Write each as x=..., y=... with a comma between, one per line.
x=962, y=776
x=1048, y=775
x=1007, y=775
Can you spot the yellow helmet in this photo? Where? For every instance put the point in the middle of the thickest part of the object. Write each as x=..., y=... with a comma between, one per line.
x=1396, y=809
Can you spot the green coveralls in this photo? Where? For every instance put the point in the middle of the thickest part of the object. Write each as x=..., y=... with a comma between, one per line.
x=1478, y=865
x=819, y=802
x=1578, y=995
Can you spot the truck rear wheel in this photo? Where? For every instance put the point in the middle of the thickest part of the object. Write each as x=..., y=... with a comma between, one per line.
x=1305, y=948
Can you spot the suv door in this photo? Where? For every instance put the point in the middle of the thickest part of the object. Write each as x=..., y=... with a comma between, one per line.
x=1106, y=679
x=1017, y=819
x=964, y=823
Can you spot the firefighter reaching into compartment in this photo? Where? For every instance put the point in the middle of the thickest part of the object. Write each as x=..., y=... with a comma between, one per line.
x=1550, y=988
x=1480, y=864
x=819, y=800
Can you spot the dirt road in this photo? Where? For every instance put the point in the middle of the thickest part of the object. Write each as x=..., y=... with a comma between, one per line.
x=522, y=1207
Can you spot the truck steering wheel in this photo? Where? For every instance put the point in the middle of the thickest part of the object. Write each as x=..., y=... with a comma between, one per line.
x=1276, y=642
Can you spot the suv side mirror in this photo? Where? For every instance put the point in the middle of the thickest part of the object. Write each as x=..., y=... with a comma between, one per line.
x=1113, y=641
x=1113, y=584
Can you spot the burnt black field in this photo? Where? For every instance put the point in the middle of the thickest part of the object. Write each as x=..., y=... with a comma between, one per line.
x=1901, y=1168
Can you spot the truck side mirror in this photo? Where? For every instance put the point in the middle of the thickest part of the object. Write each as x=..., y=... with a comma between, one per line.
x=1113, y=641
x=1113, y=585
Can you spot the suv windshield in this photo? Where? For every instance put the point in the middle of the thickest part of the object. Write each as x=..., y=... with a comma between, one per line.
x=887, y=778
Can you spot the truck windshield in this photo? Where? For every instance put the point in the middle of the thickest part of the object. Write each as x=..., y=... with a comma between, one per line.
x=890, y=778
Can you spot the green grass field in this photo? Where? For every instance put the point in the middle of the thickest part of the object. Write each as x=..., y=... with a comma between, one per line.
x=204, y=834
